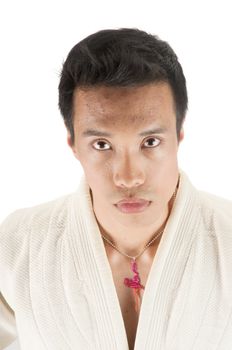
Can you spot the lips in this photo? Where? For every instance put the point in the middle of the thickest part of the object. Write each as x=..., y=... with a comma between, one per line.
x=132, y=201
x=134, y=205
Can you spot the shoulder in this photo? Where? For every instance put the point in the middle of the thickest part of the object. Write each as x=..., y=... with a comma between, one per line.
x=216, y=211
x=39, y=213
x=216, y=203
x=18, y=228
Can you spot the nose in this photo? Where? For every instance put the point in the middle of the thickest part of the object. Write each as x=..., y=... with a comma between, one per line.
x=128, y=172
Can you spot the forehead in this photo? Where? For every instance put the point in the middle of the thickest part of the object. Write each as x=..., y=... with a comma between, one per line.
x=124, y=106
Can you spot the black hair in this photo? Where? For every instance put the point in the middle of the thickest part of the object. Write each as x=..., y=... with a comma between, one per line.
x=123, y=57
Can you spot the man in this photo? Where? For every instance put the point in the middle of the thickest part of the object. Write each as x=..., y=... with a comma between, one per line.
x=136, y=258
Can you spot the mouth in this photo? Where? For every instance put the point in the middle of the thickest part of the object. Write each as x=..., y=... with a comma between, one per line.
x=132, y=205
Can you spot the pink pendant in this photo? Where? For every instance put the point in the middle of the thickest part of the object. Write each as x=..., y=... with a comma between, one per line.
x=135, y=284
x=135, y=281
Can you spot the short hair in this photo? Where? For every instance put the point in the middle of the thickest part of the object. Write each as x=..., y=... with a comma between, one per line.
x=123, y=57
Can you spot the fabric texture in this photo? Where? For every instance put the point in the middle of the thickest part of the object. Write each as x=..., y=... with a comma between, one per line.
x=57, y=289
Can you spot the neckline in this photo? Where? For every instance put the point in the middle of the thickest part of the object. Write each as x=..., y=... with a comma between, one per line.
x=106, y=293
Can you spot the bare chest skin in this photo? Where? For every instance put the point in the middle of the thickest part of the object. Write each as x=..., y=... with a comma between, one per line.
x=121, y=268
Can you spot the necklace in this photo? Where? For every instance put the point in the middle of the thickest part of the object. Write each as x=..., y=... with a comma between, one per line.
x=135, y=282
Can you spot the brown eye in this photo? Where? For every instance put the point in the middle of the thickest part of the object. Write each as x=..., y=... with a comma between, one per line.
x=152, y=142
x=100, y=145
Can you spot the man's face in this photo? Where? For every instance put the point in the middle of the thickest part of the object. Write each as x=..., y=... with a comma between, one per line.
x=126, y=142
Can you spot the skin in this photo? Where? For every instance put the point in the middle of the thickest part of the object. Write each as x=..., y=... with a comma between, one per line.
x=126, y=164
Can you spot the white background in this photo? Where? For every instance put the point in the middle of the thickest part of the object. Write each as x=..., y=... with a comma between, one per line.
x=36, y=36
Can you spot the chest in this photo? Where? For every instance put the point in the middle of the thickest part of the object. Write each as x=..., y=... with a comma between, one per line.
x=125, y=294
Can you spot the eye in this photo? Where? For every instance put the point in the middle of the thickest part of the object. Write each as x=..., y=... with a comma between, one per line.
x=153, y=142
x=100, y=144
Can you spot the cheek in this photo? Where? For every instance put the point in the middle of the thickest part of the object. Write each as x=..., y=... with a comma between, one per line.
x=166, y=169
x=99, y=163
x=163, y=163
x=164, y=172
x=167, y=180
x=97, y=169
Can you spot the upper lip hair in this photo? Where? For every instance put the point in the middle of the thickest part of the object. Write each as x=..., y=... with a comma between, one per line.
x=132, y=200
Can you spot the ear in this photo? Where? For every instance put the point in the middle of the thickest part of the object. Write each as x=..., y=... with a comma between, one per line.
x=181, y=136
x=72, y=146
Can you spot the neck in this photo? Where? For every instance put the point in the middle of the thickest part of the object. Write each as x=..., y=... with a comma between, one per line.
x=133, y=242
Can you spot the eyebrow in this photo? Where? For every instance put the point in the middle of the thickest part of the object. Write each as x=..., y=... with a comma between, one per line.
x=94, y=132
